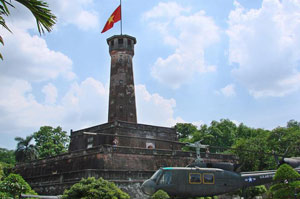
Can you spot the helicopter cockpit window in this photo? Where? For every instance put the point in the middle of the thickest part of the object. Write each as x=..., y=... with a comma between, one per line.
x=208, y=178
x=156, y=175
x=195, y=178
x=166, y=178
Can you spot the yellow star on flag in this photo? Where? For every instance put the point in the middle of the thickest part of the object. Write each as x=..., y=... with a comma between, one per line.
x=111, y=19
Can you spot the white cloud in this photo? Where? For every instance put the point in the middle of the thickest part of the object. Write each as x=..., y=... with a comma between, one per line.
x=29, y=58
x=76, y=12
x=265, y=44
x=50, y=92
x=190, y=35
x=85, y=104
x=165, y=10
x=227, y=91
x=154, y=109
x=88, y=20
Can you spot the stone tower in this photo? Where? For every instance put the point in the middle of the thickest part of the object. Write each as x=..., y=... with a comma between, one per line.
x=121, y=93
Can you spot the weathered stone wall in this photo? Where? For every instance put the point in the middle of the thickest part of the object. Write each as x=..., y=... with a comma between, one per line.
x=123, y=165
x=128, y=134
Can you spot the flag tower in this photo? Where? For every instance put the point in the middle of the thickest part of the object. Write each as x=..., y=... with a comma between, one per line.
x=121, y=92
x=122, y=104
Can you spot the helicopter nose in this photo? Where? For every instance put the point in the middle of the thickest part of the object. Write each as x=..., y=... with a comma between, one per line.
x=148, y=187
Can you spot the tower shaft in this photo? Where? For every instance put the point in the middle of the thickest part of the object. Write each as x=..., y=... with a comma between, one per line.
x=122, y=104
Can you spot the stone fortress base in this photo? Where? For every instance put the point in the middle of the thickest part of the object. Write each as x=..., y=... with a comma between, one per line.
x=128, y=164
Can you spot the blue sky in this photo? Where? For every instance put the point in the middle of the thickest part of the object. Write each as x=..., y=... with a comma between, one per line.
x=195, y=61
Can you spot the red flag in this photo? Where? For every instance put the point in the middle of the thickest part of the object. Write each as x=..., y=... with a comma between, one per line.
x=114, y=17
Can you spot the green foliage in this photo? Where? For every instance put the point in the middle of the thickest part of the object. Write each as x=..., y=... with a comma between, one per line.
x=251, y=192
x=252, y=152
x=220, y=134
x=5, y=169
x=1, y=171
x=91, y=188
x=7, y=156
x=213, y=197
x=51, y=141
x=185, y=130
x=13, y=186
x=251, y=145
x=287, y=182
x=25, y=151
x=283, y=138
x=44, y=18
x=160, y=194
x=293, y=124
x=286, y=172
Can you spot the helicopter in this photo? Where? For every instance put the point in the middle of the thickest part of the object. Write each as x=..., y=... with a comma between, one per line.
x=201, y=179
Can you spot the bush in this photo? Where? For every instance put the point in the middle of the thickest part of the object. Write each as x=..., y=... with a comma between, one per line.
x=5, y=169
x=160, y=194
x=91, y=188
x=13, y=186
x=286, y=177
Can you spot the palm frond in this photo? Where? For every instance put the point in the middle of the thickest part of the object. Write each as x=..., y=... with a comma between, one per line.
x=1, y=40
x=2, y=23
x=19, y=139
x=3, y=8
x=44, y=18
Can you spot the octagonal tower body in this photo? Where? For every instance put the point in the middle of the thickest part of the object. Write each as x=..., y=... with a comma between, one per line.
x=122, y=104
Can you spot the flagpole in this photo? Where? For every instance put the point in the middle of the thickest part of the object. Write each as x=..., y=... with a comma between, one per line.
x=121, y=15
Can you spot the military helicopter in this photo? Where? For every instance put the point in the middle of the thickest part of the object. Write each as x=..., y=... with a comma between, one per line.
x=197, y=180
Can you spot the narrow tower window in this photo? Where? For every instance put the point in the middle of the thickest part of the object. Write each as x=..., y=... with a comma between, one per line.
x=120, y=41
x=112, y=43
x=129, y=42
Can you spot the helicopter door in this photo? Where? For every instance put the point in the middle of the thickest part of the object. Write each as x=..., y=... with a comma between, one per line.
x=166, y=182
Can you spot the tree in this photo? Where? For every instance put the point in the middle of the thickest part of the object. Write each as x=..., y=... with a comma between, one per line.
x=184, y=130
x=254, y=153
x=13, y=186
x=283, y=138
x=5, y=169
x=224, y=133
x=250, y=192
x=160, y=194
x=25, y=151
x=91, y=188
x=288, y=182
x=51, y=141
x=293, y=124
x=7, y=156
x=220, y=134
x=44, y=18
